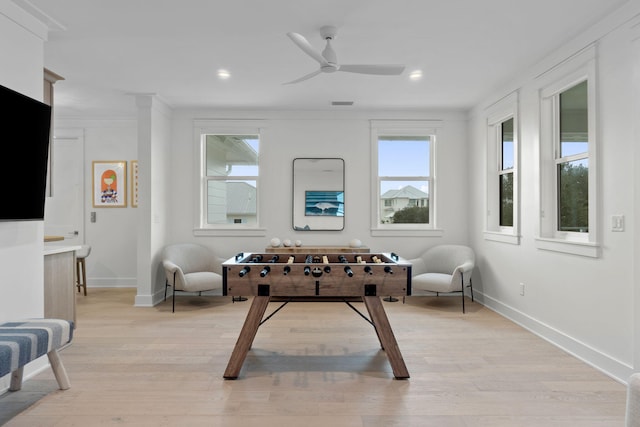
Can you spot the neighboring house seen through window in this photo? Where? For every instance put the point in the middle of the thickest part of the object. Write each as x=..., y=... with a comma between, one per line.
x=230, y=180
x=403, y=191
x=404, y=179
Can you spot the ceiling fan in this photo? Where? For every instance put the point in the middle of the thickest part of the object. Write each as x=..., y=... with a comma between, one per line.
x=329, y=62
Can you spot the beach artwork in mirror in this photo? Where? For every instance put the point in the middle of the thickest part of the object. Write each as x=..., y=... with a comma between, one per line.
x=318, y=194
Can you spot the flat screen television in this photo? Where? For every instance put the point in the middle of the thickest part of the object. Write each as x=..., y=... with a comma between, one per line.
x=24, y=148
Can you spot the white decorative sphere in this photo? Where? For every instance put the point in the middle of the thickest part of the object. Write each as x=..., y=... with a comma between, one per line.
x=275, y=242
x=286, y=243
x=355, y=243
x=298, y=243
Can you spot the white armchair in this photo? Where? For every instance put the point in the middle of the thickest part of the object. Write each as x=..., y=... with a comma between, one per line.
x=444, y=269
x=191, y=268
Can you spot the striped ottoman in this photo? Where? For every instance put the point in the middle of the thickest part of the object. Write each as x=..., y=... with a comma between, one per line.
x=24, y=341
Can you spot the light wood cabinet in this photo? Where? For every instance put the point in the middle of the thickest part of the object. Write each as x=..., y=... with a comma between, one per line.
x=59, y=283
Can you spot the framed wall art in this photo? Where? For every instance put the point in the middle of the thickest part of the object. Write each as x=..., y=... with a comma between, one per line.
x=109, y=184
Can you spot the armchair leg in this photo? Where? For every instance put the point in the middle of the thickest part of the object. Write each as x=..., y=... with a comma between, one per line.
x=173, y=300
x=463, y=303
x=462, y=278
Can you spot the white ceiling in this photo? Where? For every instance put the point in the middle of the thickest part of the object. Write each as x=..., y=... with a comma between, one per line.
x=108, y=50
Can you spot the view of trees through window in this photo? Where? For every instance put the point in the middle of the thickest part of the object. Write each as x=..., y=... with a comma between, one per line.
x=573, y=189
x=572, y=160
x=413, y=214
x=506, y=173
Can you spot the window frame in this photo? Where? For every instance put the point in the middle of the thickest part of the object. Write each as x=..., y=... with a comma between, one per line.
x=581, y=67
x=224, y=127
x=409, y=128
x=497, y=114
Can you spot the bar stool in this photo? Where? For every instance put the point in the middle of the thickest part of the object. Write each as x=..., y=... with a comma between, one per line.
x=81, y=268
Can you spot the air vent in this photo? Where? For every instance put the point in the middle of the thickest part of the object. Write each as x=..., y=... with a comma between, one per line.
x=342, y=103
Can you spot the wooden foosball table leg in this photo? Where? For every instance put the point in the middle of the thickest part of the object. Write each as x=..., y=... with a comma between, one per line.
x=385, y=335
x=247, y=334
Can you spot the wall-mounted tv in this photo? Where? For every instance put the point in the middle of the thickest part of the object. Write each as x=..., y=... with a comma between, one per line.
x=24, y=147
x=324, y=203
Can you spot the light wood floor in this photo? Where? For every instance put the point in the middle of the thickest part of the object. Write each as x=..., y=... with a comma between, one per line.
x=312, y=365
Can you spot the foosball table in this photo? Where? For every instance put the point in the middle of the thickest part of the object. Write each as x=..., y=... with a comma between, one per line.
x=338, y=276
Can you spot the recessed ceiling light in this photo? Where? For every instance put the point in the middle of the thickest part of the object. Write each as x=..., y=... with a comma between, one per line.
x=343, y=103
x=415, y=75
x=223, y=74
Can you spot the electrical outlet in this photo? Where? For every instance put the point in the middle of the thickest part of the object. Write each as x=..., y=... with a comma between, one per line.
x=522, y=289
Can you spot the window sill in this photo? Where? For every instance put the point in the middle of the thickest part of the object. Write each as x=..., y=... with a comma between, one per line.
x=497, y=236
x=405, y=232
x=230, y=232
x=587, y=249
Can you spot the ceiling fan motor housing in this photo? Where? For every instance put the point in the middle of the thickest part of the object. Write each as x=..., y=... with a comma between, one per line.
x=328, y=32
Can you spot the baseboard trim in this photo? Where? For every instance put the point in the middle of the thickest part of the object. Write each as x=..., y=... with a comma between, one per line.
x=111, y=282
x=611, y=367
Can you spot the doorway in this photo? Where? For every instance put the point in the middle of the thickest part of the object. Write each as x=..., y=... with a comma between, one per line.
x=64, y=208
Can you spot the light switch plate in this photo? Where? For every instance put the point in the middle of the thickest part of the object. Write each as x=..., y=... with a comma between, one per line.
x=617, y=222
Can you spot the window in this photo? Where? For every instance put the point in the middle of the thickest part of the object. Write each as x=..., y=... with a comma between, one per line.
x=403, y=163
x=502, y=172
x=505, y=173
x=403, y=179
x=572, y=160
x=568, y=197
x=229, y=178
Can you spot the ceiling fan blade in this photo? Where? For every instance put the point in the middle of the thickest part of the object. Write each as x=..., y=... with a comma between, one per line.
x=383, y=70
x=303, y=78
x=303, y=44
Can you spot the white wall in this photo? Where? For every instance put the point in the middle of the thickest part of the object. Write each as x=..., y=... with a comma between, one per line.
x=585, y=305
x=21, y=243
x=288, y=135
x=127, y=243
x=113, y=237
